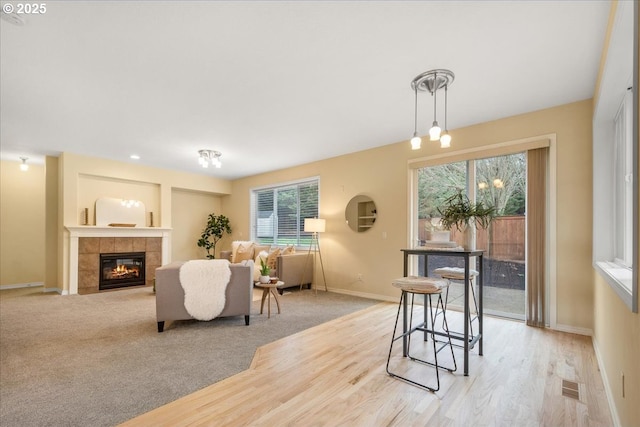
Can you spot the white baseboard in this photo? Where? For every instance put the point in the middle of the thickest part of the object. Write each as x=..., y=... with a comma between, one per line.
x=21, y=285
x=573, y=330
x=56, y=290
x=607, y=385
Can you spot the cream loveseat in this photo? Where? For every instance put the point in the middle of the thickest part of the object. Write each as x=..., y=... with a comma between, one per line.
x=170, y=294
x=286, y=264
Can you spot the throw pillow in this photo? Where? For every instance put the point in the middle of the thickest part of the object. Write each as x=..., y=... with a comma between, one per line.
x=234, y=248
x=244, y=252
x=272, y=259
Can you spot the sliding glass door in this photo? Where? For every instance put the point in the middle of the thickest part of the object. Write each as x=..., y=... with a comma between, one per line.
x=496, y=181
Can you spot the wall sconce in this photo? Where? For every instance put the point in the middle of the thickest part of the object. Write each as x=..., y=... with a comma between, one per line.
x=24, y=166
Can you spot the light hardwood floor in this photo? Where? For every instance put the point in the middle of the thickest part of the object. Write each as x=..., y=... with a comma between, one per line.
x=334, y=375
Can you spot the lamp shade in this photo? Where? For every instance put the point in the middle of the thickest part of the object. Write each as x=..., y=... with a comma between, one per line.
x=314, y=225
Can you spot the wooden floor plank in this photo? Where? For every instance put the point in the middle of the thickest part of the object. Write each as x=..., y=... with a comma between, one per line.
x=334, y=374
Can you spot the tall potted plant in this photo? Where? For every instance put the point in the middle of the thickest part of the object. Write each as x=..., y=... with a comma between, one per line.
x=459, y=212
x=216, y=226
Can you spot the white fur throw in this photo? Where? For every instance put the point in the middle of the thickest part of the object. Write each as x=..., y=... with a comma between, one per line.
x=205, y=283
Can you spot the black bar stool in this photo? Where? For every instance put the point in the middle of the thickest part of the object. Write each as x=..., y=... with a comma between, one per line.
x=457, y=273
x=426, y=286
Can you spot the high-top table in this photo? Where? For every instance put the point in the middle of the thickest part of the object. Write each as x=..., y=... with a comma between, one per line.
x=469, y=341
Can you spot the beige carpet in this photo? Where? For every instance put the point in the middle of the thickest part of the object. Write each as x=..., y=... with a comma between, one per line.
x=98, y=360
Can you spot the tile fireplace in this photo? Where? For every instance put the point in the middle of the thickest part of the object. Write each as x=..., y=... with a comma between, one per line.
x=86, y=243
x=121, y=270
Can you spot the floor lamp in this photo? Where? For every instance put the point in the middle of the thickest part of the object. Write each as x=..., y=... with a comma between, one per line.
x=315, y=226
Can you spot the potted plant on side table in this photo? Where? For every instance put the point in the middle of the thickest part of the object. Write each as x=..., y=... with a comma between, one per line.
x=264, y=272
x=459, y=212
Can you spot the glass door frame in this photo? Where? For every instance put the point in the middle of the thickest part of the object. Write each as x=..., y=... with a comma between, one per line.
x=498, y=149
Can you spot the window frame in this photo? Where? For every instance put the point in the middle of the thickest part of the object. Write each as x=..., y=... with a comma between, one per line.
x=622, y=183
x=302, y=238
x=619, y=73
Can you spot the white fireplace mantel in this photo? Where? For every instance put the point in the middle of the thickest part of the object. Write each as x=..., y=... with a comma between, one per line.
x=75, y=232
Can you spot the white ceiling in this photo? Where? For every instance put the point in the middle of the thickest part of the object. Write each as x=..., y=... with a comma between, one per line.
x=275, y=84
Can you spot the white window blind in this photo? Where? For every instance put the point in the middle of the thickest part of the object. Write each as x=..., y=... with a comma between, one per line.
x=278, y=212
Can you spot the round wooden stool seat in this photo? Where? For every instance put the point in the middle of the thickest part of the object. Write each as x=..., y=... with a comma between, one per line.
x=421, y=285
x=454, y=273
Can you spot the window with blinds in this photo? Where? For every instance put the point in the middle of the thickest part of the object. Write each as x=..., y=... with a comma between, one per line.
x=278, y=212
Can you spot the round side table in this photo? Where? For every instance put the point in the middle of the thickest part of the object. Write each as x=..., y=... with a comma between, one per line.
x=269, y=289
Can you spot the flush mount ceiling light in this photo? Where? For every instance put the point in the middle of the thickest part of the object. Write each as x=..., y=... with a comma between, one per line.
x=432, y=81
x=209, y=157
x=24, y=166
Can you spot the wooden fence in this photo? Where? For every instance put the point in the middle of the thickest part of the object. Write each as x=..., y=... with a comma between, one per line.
x=503, y=239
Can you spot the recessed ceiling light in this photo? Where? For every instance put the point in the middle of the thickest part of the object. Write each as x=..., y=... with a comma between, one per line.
x=134, y=157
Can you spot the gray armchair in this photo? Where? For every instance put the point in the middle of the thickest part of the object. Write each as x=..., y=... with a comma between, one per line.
x=170, y=295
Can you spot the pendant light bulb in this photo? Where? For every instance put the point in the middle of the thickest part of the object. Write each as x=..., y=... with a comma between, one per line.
x=445, y=140
x=434, y=132
x=416, y=141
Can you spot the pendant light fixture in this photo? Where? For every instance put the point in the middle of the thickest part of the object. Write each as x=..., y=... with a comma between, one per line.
x=432, y=81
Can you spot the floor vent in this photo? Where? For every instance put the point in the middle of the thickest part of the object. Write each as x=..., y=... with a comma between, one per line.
x=570, y=389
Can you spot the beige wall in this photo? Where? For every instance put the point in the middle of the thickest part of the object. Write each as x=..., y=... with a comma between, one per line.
x=91, y=188
x=86, y=178
x=22, y=224
x=190, y=211
x=617, y=341
x=83, y=179
x=53, y=233
x=382, y=174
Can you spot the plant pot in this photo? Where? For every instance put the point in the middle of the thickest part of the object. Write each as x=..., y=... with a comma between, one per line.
x=265, y=279
x=469, y=237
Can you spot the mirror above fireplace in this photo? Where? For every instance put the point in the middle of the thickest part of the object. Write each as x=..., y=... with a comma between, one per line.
x=124, y=212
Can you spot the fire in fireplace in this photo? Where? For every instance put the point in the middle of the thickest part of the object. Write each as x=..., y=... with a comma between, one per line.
x=121, y=270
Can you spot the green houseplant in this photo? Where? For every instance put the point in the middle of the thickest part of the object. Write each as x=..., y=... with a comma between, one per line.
x=217, y=226
x=264, y=272
x=459, y=212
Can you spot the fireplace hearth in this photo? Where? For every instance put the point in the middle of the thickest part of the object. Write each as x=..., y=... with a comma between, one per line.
x=120, y=270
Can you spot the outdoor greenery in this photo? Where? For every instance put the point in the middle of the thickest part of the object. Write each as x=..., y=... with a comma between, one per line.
x=217, y=226
x=458, y=211
x=281, y=212
x=501, y=184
